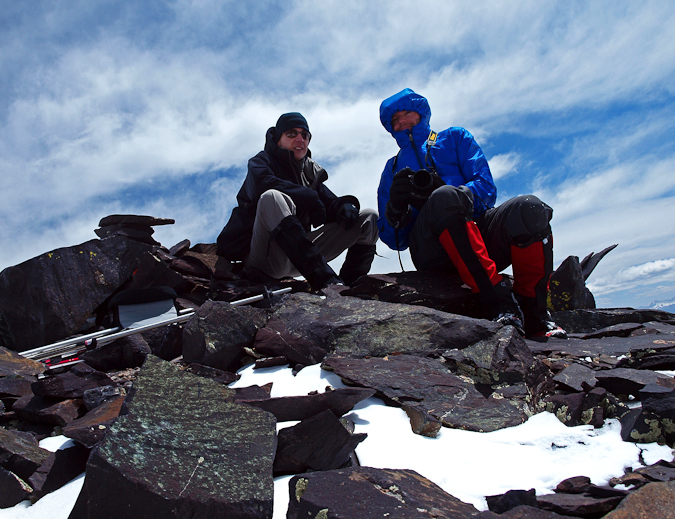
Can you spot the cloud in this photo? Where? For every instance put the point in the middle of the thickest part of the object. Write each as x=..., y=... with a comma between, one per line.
x=653, y=272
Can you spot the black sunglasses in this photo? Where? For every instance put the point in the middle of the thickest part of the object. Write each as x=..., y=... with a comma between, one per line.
x=292, y=134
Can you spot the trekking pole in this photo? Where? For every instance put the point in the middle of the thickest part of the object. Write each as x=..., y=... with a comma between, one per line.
x=69, y=347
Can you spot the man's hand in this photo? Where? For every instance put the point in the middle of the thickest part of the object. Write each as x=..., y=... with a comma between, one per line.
x=401, y=190
x=317, y=215
x=424, y=183
x=397, y=219
x=348, y=213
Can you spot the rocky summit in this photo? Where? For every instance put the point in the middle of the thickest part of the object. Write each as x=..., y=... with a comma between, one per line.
x=152, y=417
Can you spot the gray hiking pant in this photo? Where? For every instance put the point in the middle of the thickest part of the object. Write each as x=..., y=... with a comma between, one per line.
x=331, y=239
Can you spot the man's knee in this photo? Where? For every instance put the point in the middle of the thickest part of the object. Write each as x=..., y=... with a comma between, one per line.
x=528, y=218
x=448, y=200
x=272, y=199
x=368, y=225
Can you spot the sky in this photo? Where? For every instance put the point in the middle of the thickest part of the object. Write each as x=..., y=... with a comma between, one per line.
x=154, y=108
x=537, y=454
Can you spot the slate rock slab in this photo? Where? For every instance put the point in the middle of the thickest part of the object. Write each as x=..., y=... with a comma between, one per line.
x=627, y=381
x=291, y=408
x=217, y=333
x=576, y=377
x=125, y=352
x=578, y=505
x=71, y=384
x=317, y=443
x=591, y=320
x=651, y=501
x=567, y=288
x=181, y=451
x=58, y=469
x=305, y=328
x=369, y=493
x=13, y=489
x=14, y=365
x=20, y=454
x=428, y=386
x=50, y=297
x=41, y=410
x=91, y=428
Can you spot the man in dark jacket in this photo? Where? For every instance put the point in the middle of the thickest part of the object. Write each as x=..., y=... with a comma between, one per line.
x=437, y=197
x=282, y=198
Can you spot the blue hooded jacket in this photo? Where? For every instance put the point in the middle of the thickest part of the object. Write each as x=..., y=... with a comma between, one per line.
x=456, y=155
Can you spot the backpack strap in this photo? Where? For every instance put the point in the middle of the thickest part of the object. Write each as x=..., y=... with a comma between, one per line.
x=431, y=140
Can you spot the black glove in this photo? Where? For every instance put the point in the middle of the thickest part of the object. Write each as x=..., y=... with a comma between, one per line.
x=424, y=183
x=397, y=219
x=401, y=189
x=317, y=215
x=348, y=213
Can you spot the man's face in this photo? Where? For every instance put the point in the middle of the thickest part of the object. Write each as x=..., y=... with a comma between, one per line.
x=295, y=140
x=404, y=120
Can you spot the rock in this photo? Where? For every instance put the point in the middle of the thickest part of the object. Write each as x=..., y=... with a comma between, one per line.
x=96, y=396
x=58, y=469
x=317, y=443
x=579, y=505
x=166, y=342
x=180, y=248
x=641, y=426
x=132, y=219
x=660, y=471
x=181, y=451
x=658, y=400
x=616, y=330
x=576, y=377
x=625, y=381
x=223, y=377
x=14, y=365
x=369, y=493
x=13, y=489
x=511, y=499
x=590, y=408
x=591, y=261
x=66, y=287
x=125, y=352
x=591, y=320
x=499, y=359
x=14, y=386
x=574, y=485
x=441, y=292
x=291, y=408
x=71, y=384
x=522, y=512
x=304, y=328
x=567, y=288
x=217, y=333
x=91, y=428
x=43, y=410
x=20, y=454
x=427, y=385
x=651, y=501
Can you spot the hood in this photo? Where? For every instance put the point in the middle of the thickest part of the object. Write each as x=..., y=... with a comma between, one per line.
x=408, y=100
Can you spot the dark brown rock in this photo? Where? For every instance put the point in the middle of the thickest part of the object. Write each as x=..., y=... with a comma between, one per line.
x=20, y=454
x=180, y=248
x=651, y=501
x=67, y=286
x=317, y=443
x=305, y=328
x=576, y=377
x=574, y=485
x=91, y=428
x=132, y=219
x=579, y=505
x=369, y=493
x=567, y=287
x=626, y=381
x=181, y=451
x=591, y=320
x=95, y=397
x=165, y=341
x=217, y=333
x=291, y=408
x=658, y=472
x=13, y=489
x=427, y=384
x=71, y=384
x=14, y=365
x=224, y=377
x=511, y=499
x=616, y=330
x=125, y=352
x=43, y=410
x=14, y=386
x=526, y=512
x=58, y=469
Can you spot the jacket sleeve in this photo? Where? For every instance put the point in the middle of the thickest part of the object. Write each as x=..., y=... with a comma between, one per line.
x=262, y=179
x=476, y=172
x=396, y=240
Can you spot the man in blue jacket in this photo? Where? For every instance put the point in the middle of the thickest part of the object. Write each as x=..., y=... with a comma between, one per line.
x=287, y=222
x=437, y=197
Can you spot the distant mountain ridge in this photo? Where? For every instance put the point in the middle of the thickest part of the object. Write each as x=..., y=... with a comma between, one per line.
x=667, y=305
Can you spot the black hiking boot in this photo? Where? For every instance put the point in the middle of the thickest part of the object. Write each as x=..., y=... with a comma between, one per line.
x=304, y=255
x=504, y=308
x=357, y=263
x=539, y=325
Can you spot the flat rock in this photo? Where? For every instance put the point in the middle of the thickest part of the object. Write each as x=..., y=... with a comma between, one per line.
x=20, y=454
x=218, y=332
x=511, y=499
x=369, y=493
x=181, y=451
x=626, y=381
x=317, y=443
x=591, y=320
x=576, y=377
x=304, y=328
x=71, y=384
x=578, y=505
x=91, y=428
x=13, y=489
x=118, y=219
x=650, y=501
x=58, y=469
x=14, y=386
x=291, y=408
x=41, y=410
x=125, y=352
x=428, y=386
x=14, y=365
